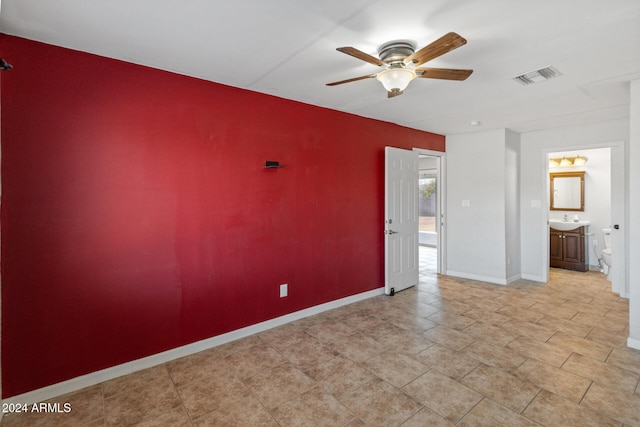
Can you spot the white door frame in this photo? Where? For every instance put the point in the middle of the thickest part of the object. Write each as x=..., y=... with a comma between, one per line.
x=440, y=204
x=620, y=280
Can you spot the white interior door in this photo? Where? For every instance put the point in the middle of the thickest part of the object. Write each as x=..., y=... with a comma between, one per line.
x=401, y=219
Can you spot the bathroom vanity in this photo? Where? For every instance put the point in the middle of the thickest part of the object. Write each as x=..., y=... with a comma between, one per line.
x=567, y=242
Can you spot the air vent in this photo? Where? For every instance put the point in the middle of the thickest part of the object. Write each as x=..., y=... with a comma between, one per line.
x=537, y=76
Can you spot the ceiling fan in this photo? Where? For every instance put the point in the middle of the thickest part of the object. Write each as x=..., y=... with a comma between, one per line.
x=401, y=63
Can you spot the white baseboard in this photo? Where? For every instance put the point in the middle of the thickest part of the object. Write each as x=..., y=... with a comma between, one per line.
x=98, y=377
x=479, y=278
x=513, y=278
x=633, y=343
x=533, y=278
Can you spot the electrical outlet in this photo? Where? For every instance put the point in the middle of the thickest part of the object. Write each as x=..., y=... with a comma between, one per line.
x=284, y=290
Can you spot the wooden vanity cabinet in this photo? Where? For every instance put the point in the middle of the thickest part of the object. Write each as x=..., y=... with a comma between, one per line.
x=567, y=249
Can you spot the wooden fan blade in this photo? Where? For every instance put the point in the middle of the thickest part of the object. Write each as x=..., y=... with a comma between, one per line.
x=355, y=79
x=443, y=73
x=362, y=56
x=444, y=44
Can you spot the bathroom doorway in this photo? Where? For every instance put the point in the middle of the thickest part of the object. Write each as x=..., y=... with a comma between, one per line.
x=431, y=218
x=603, y=205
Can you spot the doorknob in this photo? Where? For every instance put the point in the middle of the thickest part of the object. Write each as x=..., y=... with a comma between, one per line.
x=617, y=227
x=391, y=232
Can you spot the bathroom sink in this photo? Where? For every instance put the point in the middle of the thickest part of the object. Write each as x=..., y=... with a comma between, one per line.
x=562, y=225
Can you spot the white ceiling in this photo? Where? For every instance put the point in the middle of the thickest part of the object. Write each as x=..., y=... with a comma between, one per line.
x=287, y=48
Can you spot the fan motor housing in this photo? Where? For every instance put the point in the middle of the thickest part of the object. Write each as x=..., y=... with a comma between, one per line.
x=395, y=51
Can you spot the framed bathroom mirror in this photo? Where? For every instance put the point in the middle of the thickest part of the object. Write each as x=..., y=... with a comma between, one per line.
x=567, y=191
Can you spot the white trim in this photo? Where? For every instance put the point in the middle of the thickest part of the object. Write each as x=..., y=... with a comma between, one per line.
x=533, y=277
x=494, y=280
x=546, y=248
x=98, y=377
x=513, y=278
x=440, y=208
x=479, y=278
x=633, y=343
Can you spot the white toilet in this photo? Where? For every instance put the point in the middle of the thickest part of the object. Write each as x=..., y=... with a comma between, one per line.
x=606, y=252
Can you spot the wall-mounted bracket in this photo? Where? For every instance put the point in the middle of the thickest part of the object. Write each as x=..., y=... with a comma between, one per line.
x=271, y=164
x=4, y=65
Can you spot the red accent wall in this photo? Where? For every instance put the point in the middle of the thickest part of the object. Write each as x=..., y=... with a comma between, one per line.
x=137, y=215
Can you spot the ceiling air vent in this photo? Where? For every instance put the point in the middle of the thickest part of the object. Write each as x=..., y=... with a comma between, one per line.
x=537, y=76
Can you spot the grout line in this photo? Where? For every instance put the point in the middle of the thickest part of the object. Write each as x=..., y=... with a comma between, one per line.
x=586, y=391
x=530, y=402
x=104, y=403
x=608, y=355
x=567, y=359
x=474, y=407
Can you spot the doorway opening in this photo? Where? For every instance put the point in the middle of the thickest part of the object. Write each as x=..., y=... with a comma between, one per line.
x=603, y=192
x=429, y=214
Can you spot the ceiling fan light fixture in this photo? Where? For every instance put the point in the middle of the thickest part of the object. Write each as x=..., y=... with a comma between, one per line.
x=396, y=79
x=399, y=59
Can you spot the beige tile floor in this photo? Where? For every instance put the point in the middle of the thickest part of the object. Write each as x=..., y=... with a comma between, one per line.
x=446, y=352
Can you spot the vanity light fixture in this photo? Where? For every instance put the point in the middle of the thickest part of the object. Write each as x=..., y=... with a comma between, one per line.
x=580, y=161
x=564, y=162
